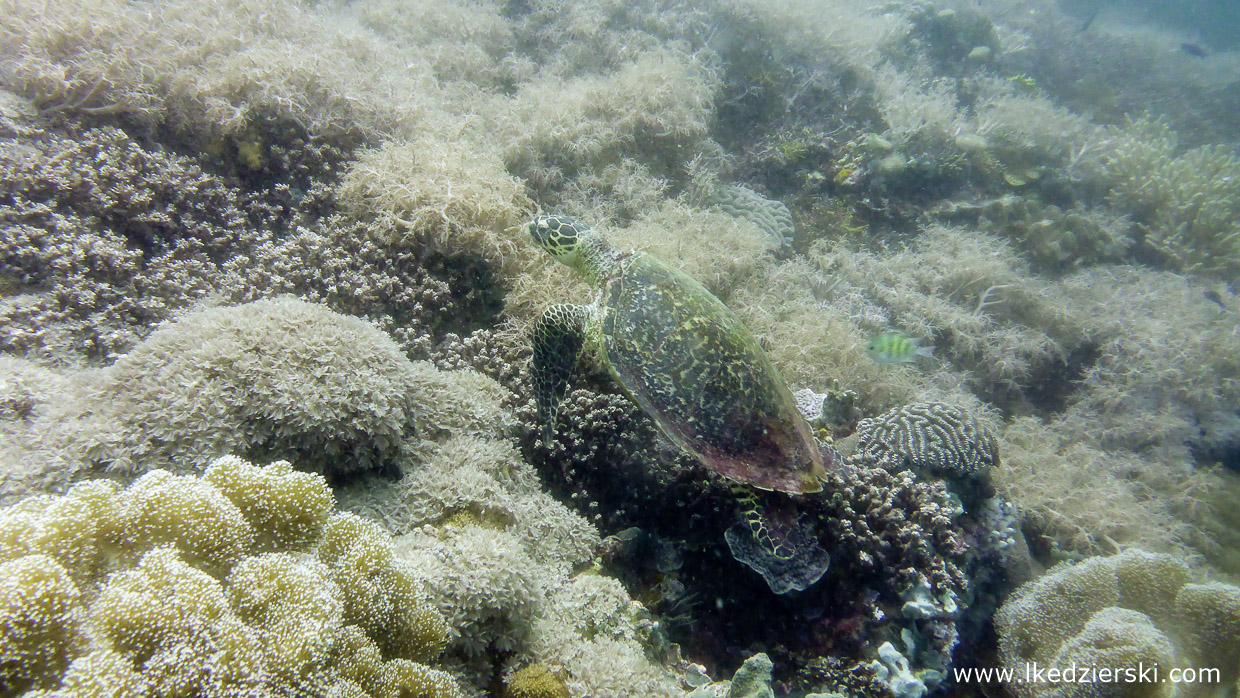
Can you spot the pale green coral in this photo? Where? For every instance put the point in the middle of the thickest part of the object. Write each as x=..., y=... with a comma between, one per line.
x=68, y=528
x=161, y=508
x=534, y=681
x=1121, y=612
x=381, y=595
x=38, y=625
x=287, y=509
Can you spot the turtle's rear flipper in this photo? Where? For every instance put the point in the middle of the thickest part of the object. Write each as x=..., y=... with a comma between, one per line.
x=773, y=541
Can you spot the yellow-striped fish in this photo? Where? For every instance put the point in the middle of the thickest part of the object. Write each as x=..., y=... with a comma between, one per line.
x=896, y=348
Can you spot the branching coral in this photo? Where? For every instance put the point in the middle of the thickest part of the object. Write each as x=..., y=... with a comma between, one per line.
x=1187, y=202
x=331, y=610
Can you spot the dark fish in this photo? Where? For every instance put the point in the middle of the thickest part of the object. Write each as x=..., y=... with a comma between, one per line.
x=1089, y=20
x=1194, y=49
x=1213, y=295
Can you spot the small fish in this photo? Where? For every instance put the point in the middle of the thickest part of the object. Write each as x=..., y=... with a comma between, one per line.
x=896, y=348
x=1194, y=49
x=1215, y=296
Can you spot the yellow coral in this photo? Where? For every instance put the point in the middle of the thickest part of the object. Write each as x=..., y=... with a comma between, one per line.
x=380, y=595
x=286, y=508
x=102, y=674
x=161, y=603
x=534, y=681
x=38, y=601
x=320, y=619
x=67, y=528
x=293, y=603
x=161, y=508
x=405, y=679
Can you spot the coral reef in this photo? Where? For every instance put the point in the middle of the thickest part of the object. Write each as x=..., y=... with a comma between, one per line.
x=212, y=214
x=1127, y=613
x=209, y=593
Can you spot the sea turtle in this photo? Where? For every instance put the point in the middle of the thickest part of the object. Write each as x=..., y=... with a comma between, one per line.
x=687, y=361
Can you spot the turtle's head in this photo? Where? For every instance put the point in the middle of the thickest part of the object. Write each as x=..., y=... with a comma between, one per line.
x=562, y=238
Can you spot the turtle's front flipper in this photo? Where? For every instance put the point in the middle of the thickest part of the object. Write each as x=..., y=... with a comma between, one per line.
x=559, y=336
x=773, y=540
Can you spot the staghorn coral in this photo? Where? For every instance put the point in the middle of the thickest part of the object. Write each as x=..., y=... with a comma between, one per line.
x=1123, y=612
x=332, y=612
x=934, y=436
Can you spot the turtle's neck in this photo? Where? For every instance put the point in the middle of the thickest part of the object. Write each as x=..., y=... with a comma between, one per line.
x=596, y=258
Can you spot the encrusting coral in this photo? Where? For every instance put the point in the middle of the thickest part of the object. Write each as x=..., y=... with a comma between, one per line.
x=1126, y=614
x=204, y=594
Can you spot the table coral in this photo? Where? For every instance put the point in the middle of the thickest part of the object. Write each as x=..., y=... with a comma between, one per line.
x=197, y=602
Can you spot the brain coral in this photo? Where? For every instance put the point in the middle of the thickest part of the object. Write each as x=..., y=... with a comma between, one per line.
x=249, y=587
x=932, y=435
x=1133, y=610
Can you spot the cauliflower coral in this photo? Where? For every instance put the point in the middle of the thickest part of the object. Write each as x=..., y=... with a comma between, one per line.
x=239, y=582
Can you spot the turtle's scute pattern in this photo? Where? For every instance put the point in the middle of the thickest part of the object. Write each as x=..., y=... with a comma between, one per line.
x=932, y=435
x=692, y=365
